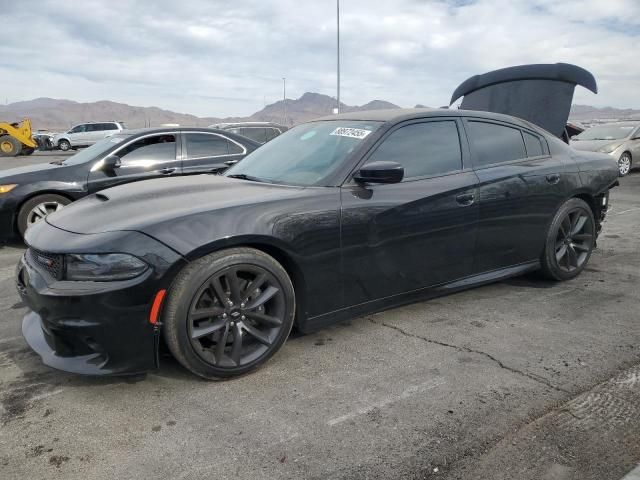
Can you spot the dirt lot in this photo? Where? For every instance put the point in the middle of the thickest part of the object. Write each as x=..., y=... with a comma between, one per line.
x=522, y=379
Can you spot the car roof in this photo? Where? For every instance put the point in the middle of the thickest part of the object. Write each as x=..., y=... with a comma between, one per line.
x=625, y=123
x=151, y=130
x=247, y=124
x=395, y=115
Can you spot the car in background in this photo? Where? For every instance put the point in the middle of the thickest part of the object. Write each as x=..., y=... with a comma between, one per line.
x=28, y=194
x=336, y=218
x=621, y=140
x=260, y=132
x=44, y=140
x=85, y=134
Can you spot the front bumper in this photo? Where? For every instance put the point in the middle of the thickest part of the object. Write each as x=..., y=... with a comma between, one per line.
x=91, y=328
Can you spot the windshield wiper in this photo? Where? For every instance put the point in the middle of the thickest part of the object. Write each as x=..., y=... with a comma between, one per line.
x=243, y=176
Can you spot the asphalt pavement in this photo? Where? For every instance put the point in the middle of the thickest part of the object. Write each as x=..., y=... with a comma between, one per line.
x=525, y=379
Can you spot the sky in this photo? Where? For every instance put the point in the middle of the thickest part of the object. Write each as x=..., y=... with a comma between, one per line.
x=227, y=58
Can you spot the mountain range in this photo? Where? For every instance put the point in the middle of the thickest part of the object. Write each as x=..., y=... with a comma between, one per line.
x=58, y=114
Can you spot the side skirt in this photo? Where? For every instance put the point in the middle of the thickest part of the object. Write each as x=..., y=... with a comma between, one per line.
x=315, y=323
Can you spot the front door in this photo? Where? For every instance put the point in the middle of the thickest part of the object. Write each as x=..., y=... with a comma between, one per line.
x=417, y=233
x=151, y=156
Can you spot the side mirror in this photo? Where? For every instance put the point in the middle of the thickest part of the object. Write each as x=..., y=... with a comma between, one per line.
x=380, y=172
x=111, y=162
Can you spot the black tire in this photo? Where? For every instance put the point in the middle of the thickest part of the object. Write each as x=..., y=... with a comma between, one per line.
x=210, y=355
x=64, y=145
x=570, y=241
x=28, y=151
x=624, y=164
x=25, y=216
x=9, y=146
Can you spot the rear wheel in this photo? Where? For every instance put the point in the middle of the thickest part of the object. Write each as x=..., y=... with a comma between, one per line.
x=624, y=164
x=37, y=208
x=570, y=241
x=9, y=146
x=64, y=145
x=229, y=312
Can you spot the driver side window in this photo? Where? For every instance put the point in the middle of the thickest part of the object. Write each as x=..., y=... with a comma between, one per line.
x=78, y=129
x=423, y=149
x=149, y=151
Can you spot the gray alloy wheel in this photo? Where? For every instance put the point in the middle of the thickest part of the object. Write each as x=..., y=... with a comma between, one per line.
x=37, y=208
x=41, y=210
x=64, y=145
x=570, y=241
x=227, y=313
x=624, y=164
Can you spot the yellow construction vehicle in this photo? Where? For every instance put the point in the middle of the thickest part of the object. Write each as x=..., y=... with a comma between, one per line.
x=15, y=139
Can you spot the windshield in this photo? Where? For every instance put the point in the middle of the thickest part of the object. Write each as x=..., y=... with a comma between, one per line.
x=606, y=132
x=305, y=155
x=94, y=151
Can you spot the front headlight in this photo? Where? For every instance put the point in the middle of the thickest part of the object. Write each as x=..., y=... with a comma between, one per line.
x=610, y=148
x=102, y=267
x=7, y=188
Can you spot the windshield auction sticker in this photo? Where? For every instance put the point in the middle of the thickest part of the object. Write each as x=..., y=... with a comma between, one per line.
x=351, y=132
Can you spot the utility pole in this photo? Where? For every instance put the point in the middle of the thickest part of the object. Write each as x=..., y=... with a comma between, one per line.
x=338, y=50
x=284, y=101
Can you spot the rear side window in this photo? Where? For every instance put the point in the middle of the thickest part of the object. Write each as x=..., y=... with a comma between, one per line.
x=201, y=145
x=533, y=144
x=256, y=134
x=148, y=151
x=108, y=126
x=493, y=143
x=272, y=133
x=423, y=149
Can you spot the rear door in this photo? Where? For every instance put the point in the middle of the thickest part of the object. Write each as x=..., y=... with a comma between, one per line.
x=151, y=156
x=419, y=232
x=205, y=152
x=520, y=186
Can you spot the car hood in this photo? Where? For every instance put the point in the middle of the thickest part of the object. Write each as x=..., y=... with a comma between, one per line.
x=140, y=205
x=593, y=145
x=21, y=174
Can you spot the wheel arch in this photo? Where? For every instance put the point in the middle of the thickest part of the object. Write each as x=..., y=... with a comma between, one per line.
x=35, y=194
x=274, y=248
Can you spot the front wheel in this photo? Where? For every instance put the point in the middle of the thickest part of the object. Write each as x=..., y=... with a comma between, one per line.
x=37, y=208
x=64, y=145
x=227, y=313
x=624, y=164
x=570, y=241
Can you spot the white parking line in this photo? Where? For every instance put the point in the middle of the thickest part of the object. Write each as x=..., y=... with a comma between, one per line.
x=633, y=475
x=627, y=211
x=409, y=392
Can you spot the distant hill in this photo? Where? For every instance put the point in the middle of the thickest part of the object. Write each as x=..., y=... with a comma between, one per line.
x=57, y=115
x=54, y=114
x=587, y=112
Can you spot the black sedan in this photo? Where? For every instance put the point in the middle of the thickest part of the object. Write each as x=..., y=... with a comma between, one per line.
x=28, y=194
x=335, y=218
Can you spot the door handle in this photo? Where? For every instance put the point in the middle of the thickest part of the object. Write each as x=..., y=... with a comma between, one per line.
x=167, y=171
x=465, y=199
x=231, y=162
x=553, y=178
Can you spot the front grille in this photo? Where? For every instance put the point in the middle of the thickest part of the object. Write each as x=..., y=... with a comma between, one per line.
x=50, y=262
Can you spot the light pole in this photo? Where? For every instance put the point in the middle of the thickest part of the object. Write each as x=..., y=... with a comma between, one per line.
x=338, y=50
x=284, y=101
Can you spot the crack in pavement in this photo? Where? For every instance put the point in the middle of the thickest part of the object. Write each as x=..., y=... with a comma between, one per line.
x=531, y=376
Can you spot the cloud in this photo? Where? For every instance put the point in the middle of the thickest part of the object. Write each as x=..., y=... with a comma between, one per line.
x=219, y=58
